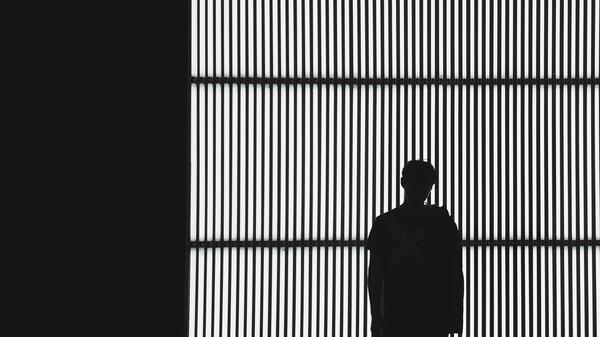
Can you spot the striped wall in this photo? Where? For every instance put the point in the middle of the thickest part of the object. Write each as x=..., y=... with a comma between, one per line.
x=304, y=113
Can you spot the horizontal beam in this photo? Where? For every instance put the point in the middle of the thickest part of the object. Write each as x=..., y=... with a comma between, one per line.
x=394, y=81
x=360, y=243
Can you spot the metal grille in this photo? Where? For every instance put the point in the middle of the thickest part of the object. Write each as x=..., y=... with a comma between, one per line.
x=303, y=114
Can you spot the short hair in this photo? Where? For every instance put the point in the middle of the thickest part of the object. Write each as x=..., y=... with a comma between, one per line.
x=419, y=172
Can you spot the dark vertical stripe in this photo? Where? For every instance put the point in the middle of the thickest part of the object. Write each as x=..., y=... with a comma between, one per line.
x=429, y=88
x=585, y=180
x=484, y=179
x=197, y=269
x=310, y=166
x=363, y=268
x=230, y=196
x=501, y=221
x=390, y=110
x=238, y=204
x=421, y=87
x=319, y=142
x=443, y=141
x=286, y=171
x=398, y=132
x=593, y=169
x=295, y=166
x=350, y=175
x=343, y=162
x=335, y=173
x=280, y=220
x=369, y=217
x=538, y=196
x=374, y=153
x=302, y=162
x=468, y=219
x=561, y=171
x=382, y=128
x=406, y=131
x=569, y=171
x=577, y=189
x=554, y=169
x=514, y=166
x=205, y=175
x=436, y=161
x=546, y=143
x=214, y=167
x=476, y=169
x=327, y=128
x=271, y=173
x=413, y=129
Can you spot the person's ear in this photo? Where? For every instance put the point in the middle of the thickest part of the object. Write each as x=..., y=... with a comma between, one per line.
x=402, y=182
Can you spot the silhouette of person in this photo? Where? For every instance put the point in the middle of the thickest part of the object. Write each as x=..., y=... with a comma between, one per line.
x=415, y=276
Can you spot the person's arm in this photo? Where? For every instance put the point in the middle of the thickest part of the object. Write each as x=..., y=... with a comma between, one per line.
x=456, y=280
x=375, y=284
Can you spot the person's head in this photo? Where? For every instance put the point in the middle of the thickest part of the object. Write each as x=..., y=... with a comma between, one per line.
x=418, y=177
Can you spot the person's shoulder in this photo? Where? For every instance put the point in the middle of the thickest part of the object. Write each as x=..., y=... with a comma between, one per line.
x=388, y=216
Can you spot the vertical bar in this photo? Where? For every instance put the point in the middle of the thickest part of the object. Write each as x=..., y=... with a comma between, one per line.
x=271, y=174
x=538, y=197
x=398, y=160
x=303, y=163
x=239, y=132
x=310, y=165
x=327, y=249
x=498, y=260
x=368, y=220
x=468, y=219
x=198, y=164
x=547, y=141
x=390, y=111
x=514, y=168
x=246, y=180
x=350, y=175
x=554, y=178
x=295, y=168
x=593, y=167
x=562, y=161
x=326, y=87
x=214, y=164
x=476, y=171
x=255, y=175
x=421, y=87
x=280, y=220
x=483, y=170
x=430, y=87
x=414, y=87
x=405, y=157
x=319, y=142
x=585, y=180
x=509, y=134
x=335, y=174
x=569, y=170
x=358, y=192
x=577, y=189
x=523, y=112
x=343, y=162
x=436, y=161
x=442, y=167
x=382, y=128
x=287, y=235
x=230, y=307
